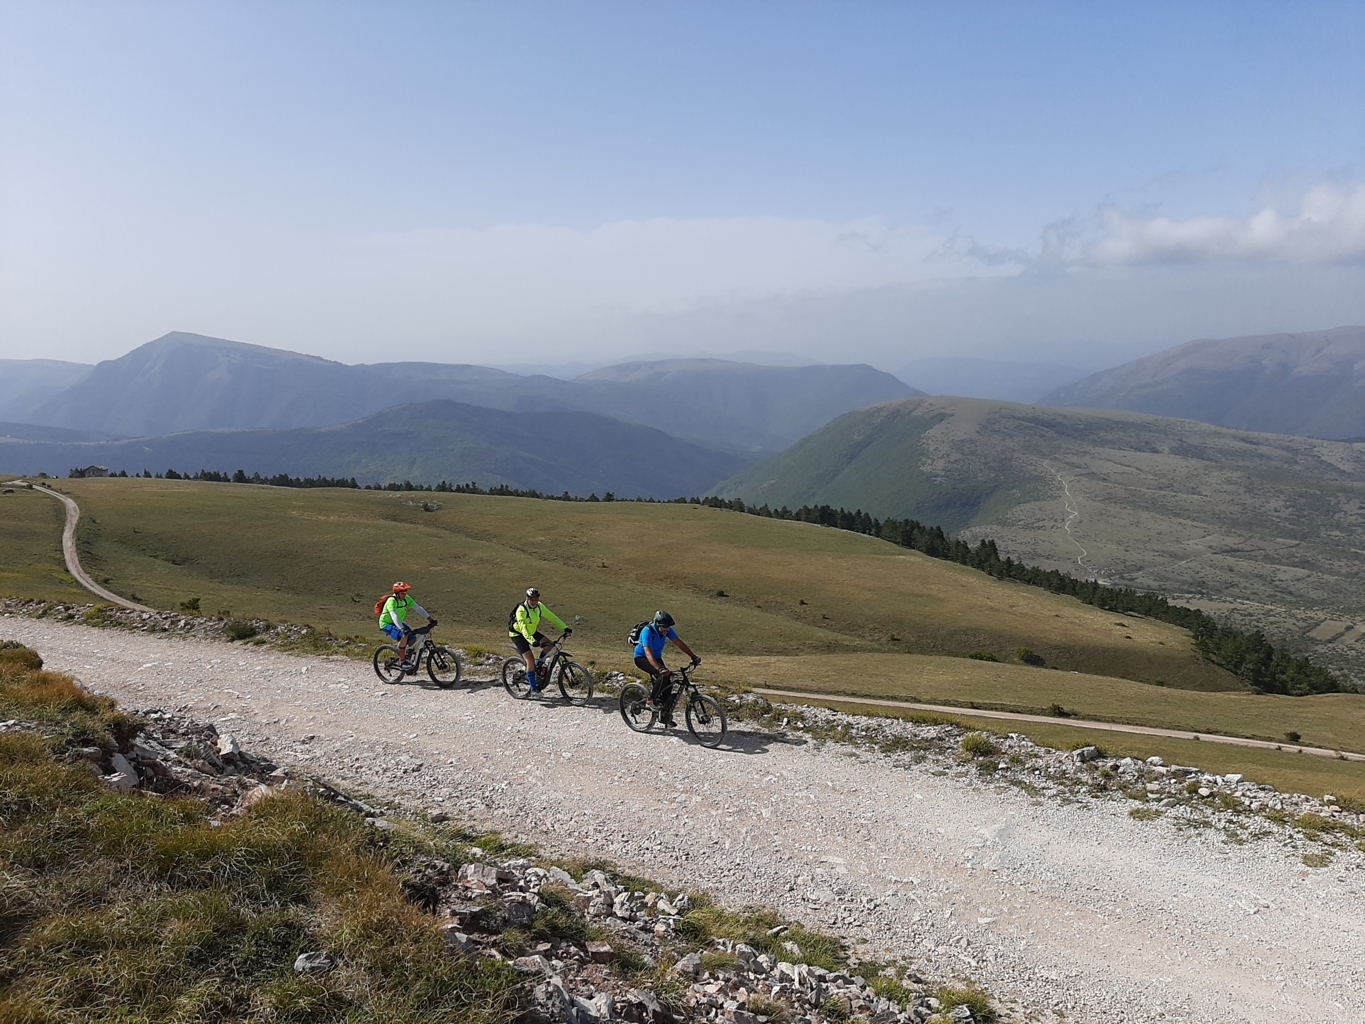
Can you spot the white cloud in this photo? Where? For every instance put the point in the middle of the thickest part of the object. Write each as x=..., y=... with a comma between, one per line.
x=1329, y=227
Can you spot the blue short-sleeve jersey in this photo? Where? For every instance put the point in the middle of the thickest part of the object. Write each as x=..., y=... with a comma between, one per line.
x=655, y=640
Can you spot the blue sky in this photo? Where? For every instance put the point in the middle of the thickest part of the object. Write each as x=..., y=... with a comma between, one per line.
x=522, y=182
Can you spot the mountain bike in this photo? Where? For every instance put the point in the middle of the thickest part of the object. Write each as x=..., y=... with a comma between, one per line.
x=575, y=681
x=705, y=715
x=443, y=664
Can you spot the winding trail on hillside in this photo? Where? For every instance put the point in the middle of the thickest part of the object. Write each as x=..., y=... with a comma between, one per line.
x=1076, y=723
x=73, y=560
x=1069, y=907
x=1072, y=514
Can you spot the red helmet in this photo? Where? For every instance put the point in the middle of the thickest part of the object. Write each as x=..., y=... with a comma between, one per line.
x=401, y=588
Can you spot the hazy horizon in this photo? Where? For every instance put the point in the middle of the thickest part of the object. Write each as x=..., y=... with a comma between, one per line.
x=543, y=185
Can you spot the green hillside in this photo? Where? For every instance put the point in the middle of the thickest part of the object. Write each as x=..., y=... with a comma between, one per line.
x=739, y=585
x=1261, y=528
x=878, y=460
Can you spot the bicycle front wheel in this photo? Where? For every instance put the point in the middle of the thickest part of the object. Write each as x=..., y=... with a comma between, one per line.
x=514, y=679
x=443, y=666
x=635, y=712
x=706, y=719
x=575, y=682
x=388, y=666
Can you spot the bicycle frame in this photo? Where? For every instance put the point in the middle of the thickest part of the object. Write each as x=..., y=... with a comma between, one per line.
x=677, y=690
x=549, y=656
x=419, y=644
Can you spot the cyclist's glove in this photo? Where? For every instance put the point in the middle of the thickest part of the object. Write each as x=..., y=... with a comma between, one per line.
x=567, y=632
x=695, y=661
x=431, y=622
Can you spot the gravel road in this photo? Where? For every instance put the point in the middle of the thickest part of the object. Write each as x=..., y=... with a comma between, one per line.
x=1071, y=910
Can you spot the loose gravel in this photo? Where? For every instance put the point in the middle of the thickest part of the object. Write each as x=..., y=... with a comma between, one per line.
x=1066, y=909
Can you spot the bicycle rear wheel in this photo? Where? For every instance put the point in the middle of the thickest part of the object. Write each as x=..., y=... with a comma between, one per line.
x=706, y=719
x=443, y=666
x=514, y=679
x=388, y=664
x=575, y=682
x=634, y=711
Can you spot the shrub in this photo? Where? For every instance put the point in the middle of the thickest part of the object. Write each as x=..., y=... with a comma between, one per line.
x=892, y=988
x=192, y=605
x=1059, y=712
x=1319, y=859
x=767, y=1006
x=978, y=744
x=982, y=656
x=971, y=996
x=1292, y=736
x=1026, y=655
x=14, y=653
x=240, y=629
x=753, y=926
x=835, y=1008
x=716, y=960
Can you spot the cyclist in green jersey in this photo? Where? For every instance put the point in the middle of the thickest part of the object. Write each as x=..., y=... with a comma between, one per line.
x=393, y=612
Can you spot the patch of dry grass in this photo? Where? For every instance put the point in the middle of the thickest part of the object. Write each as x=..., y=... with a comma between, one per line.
x=126, y=907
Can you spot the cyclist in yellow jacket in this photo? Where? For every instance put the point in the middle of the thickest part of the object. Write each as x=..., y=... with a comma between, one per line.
x=524, y=629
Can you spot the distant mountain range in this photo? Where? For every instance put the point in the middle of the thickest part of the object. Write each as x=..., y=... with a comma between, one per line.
x=426, y=442
x=187, y=382
x=1312, y=384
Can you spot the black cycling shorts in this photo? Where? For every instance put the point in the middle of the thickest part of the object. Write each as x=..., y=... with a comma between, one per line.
x=642, y=663
x=519, y=642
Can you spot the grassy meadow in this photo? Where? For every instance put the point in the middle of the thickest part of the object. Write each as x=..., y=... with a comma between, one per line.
x=738, y=585
x=31, y=548
x=770, y=603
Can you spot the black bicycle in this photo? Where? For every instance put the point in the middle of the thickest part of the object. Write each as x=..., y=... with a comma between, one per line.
x=705, y=715
x=574, y=681
x=443, y=664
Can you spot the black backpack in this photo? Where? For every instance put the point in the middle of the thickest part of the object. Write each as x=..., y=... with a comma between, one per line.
x=633, y=637
x=512, y=617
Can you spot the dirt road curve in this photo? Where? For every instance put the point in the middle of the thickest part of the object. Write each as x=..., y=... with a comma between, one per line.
x=802, y=696
x=1073, y=907
x=73, y=561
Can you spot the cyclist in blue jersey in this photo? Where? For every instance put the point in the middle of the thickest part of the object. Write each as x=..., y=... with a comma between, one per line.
x=649, y=657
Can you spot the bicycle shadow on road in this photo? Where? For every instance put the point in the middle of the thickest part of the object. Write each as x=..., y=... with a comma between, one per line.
x=423, y=682
x=737, y=741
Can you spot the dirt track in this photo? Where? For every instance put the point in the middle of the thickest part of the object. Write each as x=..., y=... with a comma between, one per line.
x=1069, y=907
